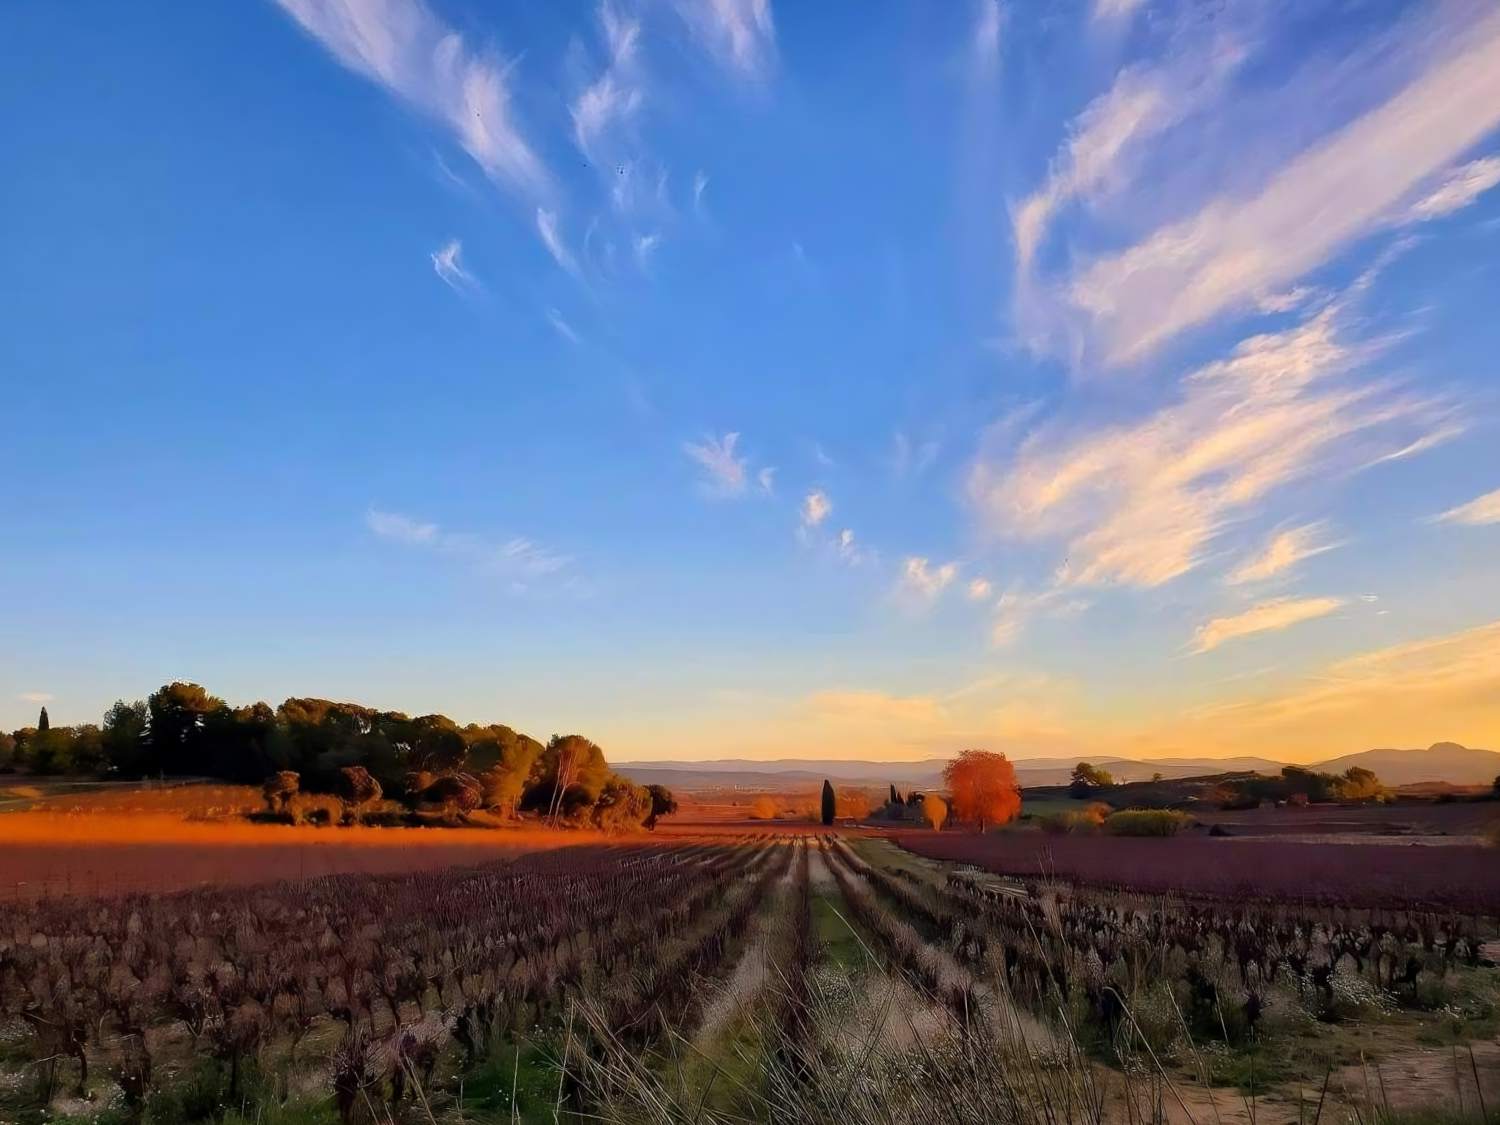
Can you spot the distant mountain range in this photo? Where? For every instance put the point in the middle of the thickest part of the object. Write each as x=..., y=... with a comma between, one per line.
x=1443, y=761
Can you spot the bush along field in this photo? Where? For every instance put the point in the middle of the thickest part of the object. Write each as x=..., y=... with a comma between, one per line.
x=758, y=977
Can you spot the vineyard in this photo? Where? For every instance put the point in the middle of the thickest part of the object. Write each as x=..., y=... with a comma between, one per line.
x=728, y=977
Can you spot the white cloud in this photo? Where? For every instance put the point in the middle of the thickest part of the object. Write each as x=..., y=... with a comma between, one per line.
x=725, y=471
x=980, y=589
x=815, y=508
x=1286, y=300
x=1141, y=104
x=403, y=529
x=1285, y=550
x=1461, y=188
x=1481, y=510
x=404, y=47
x=613, y=98
x=562, y=327
x=989, y=20
x=518, y=559
x=1347, y=186
x=740, y=34
x=1422, y=444
x=1138, y=502
x=447, y=263
x=546, y=227
x=1269, y=616
x=766, y=478
x=1015, y=609
x=700, y=185
x=848, y=551
x=1115, y=9
x=645, y=247
x=921, y=577
x=36, y=697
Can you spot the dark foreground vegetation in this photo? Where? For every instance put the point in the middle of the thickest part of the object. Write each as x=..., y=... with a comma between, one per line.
x=724, y=979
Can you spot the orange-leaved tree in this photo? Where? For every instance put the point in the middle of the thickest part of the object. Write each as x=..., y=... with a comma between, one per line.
x=853, y=803
x=934, y=810
x=983, y=788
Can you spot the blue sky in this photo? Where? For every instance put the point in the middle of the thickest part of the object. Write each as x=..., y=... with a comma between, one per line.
x=739, y=379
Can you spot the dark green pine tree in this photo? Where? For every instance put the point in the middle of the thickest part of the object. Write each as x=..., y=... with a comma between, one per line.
x=43, y=723
x=829, y=803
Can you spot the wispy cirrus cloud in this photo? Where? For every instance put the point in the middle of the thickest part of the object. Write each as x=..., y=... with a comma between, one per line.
x=36, y=697
x=1116, y=9
x=547, y=229
x=1350, y=184
x=1142, y=103
x=561, y=326
x=1462, y=187
x=1265, y=617
x=616, y=95
x=740, y=34
x=519, y=560
x=447, y=263
x=984, y=44
x=1139, y=502
x=1015, y=609
x=724, y=469
x=1284, y=551
x=404, y=47
x=402, y=529
x=1481, y=510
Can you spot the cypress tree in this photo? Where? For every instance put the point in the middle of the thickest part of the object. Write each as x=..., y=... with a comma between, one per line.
x=829, y=804
x=43, y=723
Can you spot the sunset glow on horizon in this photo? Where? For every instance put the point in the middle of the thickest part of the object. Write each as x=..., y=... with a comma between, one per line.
x=727, y=382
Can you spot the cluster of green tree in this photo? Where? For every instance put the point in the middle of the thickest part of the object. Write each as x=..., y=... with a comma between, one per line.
x=44, y=748
x=901, y=806
x=1299, y=786
x=182, y=730
x=1087, y=780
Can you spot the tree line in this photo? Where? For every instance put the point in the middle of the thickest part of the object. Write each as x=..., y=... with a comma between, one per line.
x=981, y=791
x=183, y=730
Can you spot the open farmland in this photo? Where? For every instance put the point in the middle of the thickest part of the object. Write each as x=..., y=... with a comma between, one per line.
x=45, y=854
x=117, y=838
x=731, y=975
x=1458, y=877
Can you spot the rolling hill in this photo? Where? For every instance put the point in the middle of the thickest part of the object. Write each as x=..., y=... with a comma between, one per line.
x=1443, y=761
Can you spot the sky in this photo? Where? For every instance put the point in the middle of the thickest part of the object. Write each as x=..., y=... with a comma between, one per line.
x=731, y=378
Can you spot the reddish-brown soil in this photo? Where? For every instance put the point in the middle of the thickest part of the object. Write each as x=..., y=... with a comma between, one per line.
x=49, y=854
x=1462, y=877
